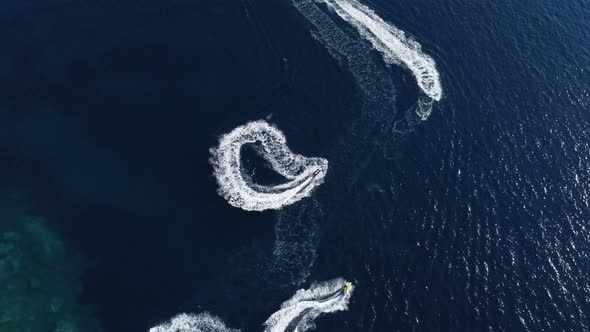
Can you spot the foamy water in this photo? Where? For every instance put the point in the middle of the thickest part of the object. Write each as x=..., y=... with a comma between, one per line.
x=203, y=322
x=237, y=188
x=299, y=312
x=296, y=314
x=394, y=45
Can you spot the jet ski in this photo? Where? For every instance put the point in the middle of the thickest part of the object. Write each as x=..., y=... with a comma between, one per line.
x=345, y=288
x=309, y=179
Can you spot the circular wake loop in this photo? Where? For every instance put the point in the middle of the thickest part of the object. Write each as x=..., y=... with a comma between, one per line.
x=303, y=173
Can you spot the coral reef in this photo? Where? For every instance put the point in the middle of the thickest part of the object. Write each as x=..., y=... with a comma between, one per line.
x=39, y=279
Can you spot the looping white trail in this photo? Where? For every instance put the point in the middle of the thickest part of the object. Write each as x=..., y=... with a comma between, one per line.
x=238, y=189
x=203, y=322
x=299, y=312
x=392, y=42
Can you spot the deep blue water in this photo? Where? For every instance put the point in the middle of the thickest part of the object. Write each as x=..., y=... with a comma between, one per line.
x=475, y=219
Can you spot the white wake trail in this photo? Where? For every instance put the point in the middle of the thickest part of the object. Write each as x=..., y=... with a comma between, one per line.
x=392, y=42
x=203, y=322
x=299, y=312
x=296, y=315
x=303, y=173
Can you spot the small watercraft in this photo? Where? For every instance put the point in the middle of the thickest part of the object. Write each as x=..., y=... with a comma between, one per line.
x=345, y=288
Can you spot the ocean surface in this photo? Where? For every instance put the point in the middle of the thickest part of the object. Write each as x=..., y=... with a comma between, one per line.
x=470, y=215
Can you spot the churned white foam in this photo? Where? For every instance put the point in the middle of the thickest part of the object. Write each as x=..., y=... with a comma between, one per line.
x=203, y=322
x=299, y=312
x=392, y=42
x=296, y=314
x=303, y=173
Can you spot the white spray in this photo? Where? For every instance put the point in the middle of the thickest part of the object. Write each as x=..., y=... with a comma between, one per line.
x=304, y=174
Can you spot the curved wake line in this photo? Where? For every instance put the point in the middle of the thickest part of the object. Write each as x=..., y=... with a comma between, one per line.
x=296, y=314
x=299, y=312
x=392, y=43
x=303, y=173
